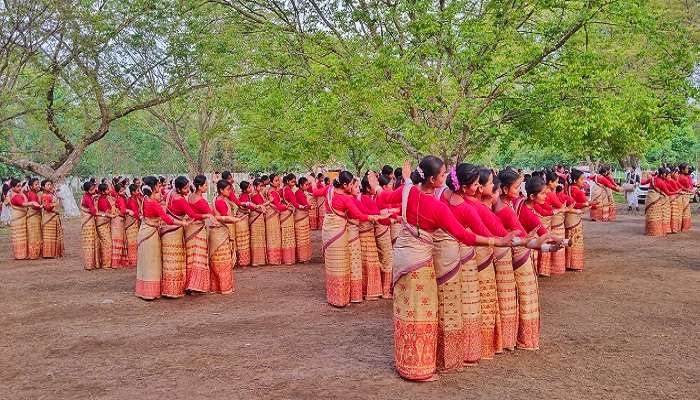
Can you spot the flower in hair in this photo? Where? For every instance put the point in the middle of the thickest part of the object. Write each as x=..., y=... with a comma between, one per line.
x=420, y=172
x=453, y=176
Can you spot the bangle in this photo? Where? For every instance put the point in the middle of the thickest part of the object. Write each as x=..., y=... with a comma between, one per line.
x=492, y=241
x=517, y=240
x=545, y=248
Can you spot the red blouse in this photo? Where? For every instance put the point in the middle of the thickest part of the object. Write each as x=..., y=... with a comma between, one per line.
x=103, y=204
x=257, y=199
x=121, y=205
x=221, y=206
x=467, y=215
x=89, y=203
x=489, y=218
x=233, y=198
x=604, y=181
x=33, y=196
x=659, y=184
x=289, y=197
x=47, y=201
x=18, y=199
x=153, y=209
x=342, y=204
x=553, y=200
x=578, y=196
x=133, y=204
x=276, y=200
x=180, y=207
x=565, y=198
x=300, y=196
x=544, y=209
x=201, y=206
x=686, y=182
x=428, y=213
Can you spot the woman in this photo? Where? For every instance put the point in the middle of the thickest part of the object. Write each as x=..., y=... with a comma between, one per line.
x=504, y=275
x=149, y=264
x=675, y=201
x=51, y=227
x=103, y=225
x=371, y=265
x=382, y=235
x=118, y=228
x=302, y=227
x=273, y=229
x=603, y=204
x=220, y=252
x=544, y=213
x=573, y=223
x=656, y=203
x=288, y=200
x=174, y=276
x=258, y=240
x=320, y=200
x=34, y=244
x=18, y=222
x=355, y=249
x=197, y=273
x=241, y=226
x=469, y=273
x=686, y=182
x=416, y=308
x=558, y=258
x=516, y=216
x=88, y=226
x=340, y=208
x=313, y=205
x=132, y=222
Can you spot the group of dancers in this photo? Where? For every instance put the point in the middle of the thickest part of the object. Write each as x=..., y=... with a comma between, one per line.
x=667, y=205
x=181, y=243
x=35, y=224
x=458, y=250
x=466, y=248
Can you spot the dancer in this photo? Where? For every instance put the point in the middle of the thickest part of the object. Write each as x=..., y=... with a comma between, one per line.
x=340, y=208
x=103, y=224
x=302, y=225
x=573, y=221
x=88, y=224
x=34, y=243
x=51, y=227
x=132, y=223
x=416, y=305
x=149, y=263
x=18, y=220
x=222, y=258
x=258, y=240
x=197, y=275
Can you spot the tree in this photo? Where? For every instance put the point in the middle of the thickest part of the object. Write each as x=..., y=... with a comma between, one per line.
x=443, y=77
x=91, y=63
x=194, y=125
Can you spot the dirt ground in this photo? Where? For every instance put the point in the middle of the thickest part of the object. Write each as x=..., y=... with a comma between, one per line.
x=625, y=328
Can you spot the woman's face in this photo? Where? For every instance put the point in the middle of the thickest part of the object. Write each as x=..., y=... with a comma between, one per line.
x=205, y=187
x=552, y=185
x=35, y=186
x=249, y=189
x=276, y=182
x=122, y=190
x=487, y=188
x=472, y=189
x=185, y=190
x=259, y=187
x=226, y=192
x=93, y=189
x=306, y=186
x=292, y=182
x=439, y=180
x=355, y=188
x=579, y=181
x=157, y=195
x=513, y=191
x=48, y=187
x=17, y=188
x=540, y=197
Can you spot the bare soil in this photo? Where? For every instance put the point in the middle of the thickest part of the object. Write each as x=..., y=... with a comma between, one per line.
x=625, y=328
